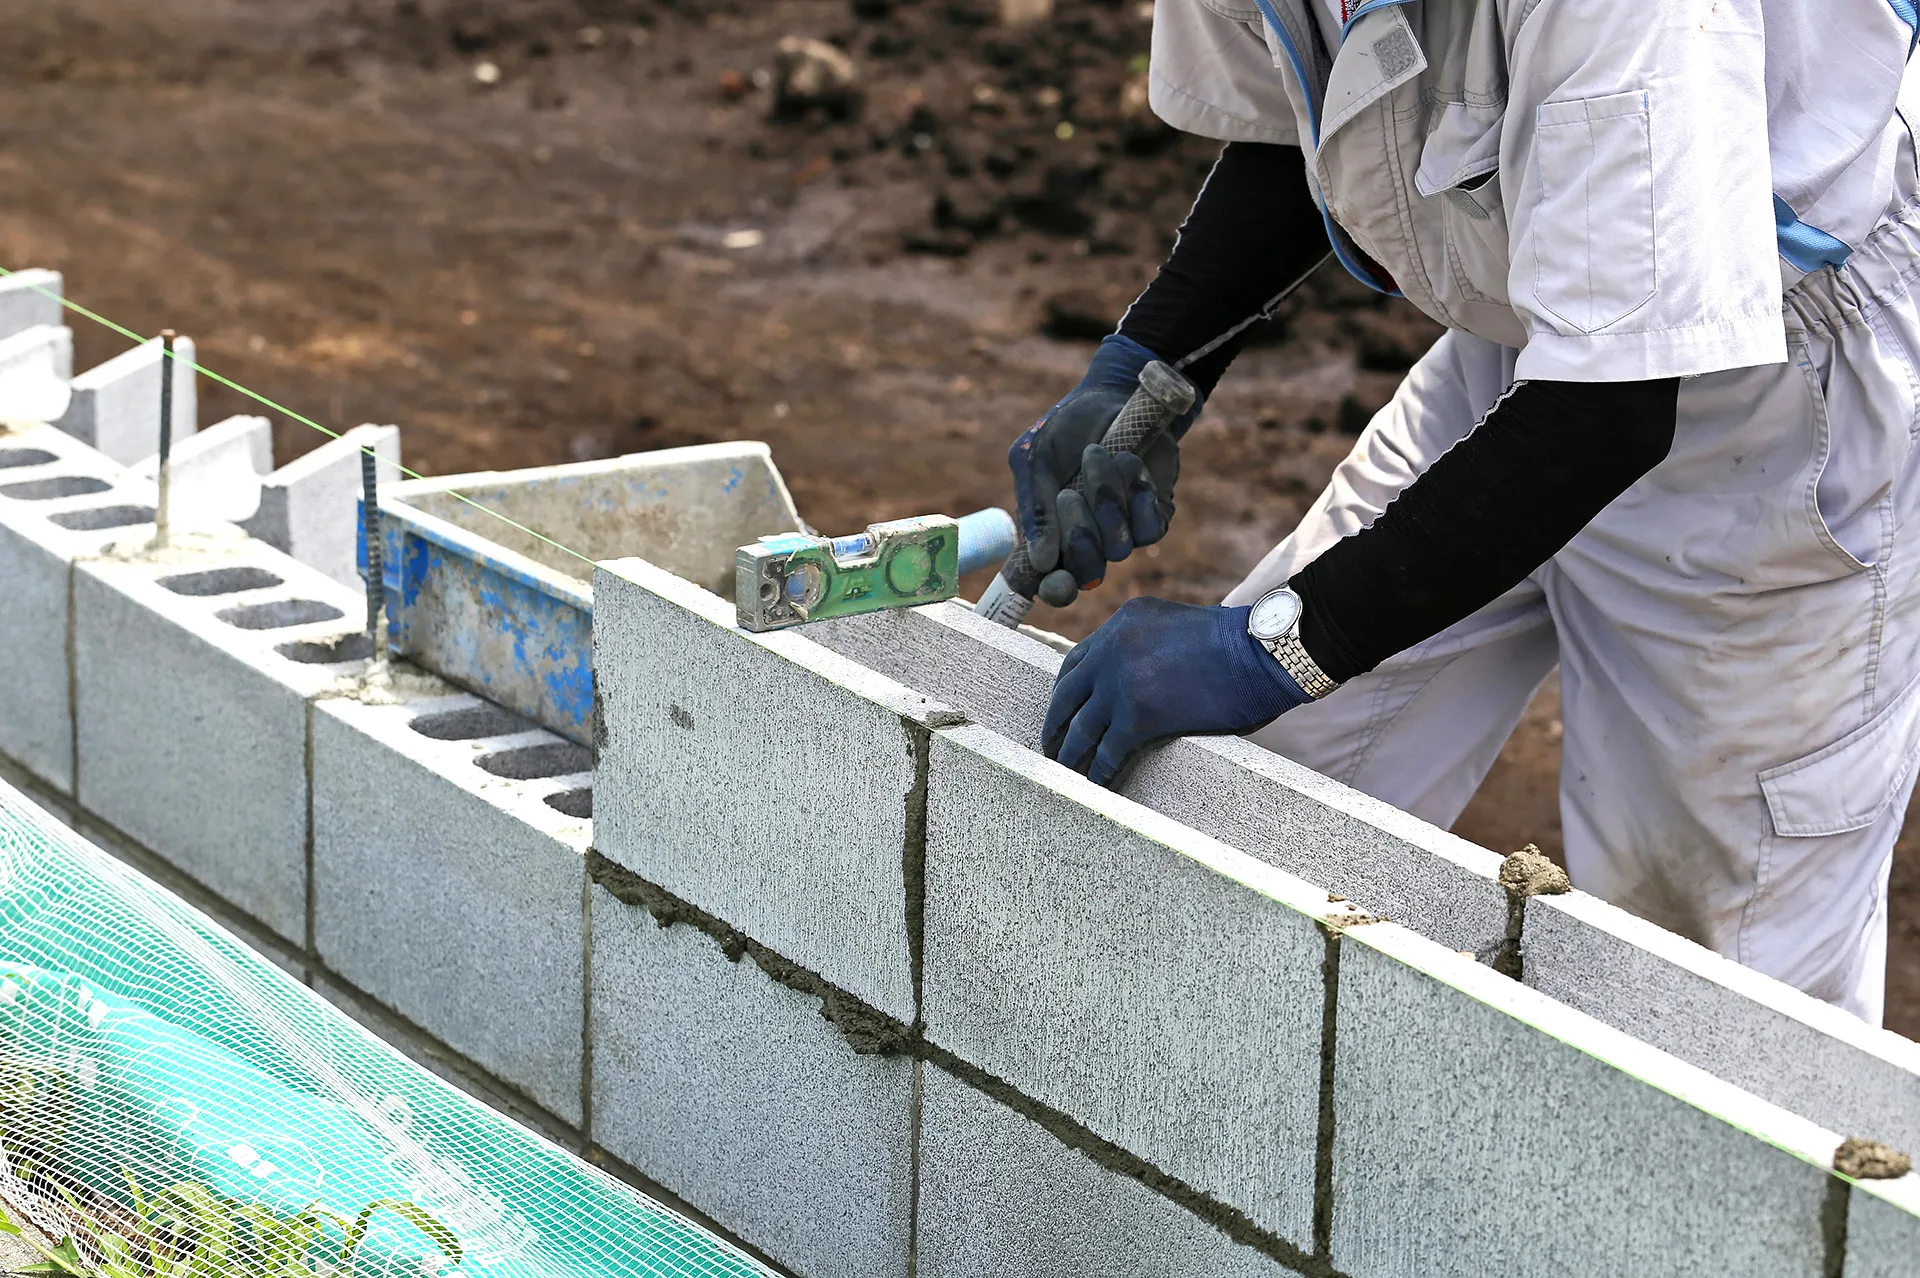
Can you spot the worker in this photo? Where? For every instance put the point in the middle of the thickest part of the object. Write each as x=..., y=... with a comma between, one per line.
x=1666, y=442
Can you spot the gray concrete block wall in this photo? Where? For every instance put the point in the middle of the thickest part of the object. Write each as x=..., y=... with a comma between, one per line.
x=29, y=298
x=761, y=777
x=1001, y=1195
x=1748, y=1029
x=1883, y=1229
x=36, y=366
x=735, y=1092
x=191, y=732
x=1392, y=863
x=450, y=895
x=116, y=405
x=36, y=560
x=1159, y=987
x=307, y=507
x=1480, y=1127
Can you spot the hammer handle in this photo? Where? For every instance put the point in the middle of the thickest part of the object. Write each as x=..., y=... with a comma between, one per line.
x=1162, y=395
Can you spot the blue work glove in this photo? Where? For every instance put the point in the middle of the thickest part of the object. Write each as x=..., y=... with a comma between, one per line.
x=1159, y=669
x=1129, y=499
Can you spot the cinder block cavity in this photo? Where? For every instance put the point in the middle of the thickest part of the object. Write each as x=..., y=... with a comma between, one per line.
x=1481, y=1128
x=760, y=777
x=453, y=897
x=116, y=406
x=1150, y=983
x=1001, y=1195
x=734, y=1091
x=192, y=732
x=546, y=759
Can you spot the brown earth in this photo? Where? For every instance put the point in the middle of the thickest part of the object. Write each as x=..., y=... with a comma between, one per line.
x=553, y=260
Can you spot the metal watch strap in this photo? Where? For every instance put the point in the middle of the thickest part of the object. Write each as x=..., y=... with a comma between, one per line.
x=1293, y=658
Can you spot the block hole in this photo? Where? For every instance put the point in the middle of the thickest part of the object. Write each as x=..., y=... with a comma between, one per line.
x=470, y=723
x=55, y=486
x=327, y=652
x=577, y=804
x=11, y=457
x=98, y=517
x=220, y=581
x=279, y=614
x=530, y=763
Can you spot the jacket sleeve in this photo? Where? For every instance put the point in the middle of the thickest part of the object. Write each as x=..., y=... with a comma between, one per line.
x=1211, y=73
x=1636, y=175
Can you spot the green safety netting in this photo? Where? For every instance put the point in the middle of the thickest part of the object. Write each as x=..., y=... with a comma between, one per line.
x=174, y=1106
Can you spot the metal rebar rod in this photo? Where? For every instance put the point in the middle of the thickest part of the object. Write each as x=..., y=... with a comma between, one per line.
x=370, y=529
x=162, y=513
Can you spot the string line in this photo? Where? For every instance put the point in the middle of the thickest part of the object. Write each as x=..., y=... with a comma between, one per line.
x=230, y=384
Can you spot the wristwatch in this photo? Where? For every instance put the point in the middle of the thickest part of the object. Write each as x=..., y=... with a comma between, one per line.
x=1275, y=623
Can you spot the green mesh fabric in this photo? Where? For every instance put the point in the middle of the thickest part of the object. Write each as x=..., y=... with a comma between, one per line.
x=179, y=1107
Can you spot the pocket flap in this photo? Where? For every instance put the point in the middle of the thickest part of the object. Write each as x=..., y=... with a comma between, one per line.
x=1847, y=785
x=1463, y=144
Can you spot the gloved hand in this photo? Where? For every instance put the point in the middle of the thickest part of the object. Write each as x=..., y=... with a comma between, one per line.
x=1129, y=499
x=1159, y=669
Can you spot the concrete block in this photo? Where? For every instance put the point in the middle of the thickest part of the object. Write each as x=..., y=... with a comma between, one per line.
x=735, y=1093
x=1001, y=1195
x=1150, y=983
x=1883, y=1228
x=31, y=297
x=116, y=406
x=36, y=556
x=216, y=472
x=761, y=777
x=1750, y=1030
x=1391, y=863
x=307, y=507
x=453, y=896
x=36, y=365
x=1482, y=1128
x=192, y=722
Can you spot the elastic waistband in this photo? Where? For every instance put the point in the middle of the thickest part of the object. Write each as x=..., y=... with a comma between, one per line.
x=1878, y=273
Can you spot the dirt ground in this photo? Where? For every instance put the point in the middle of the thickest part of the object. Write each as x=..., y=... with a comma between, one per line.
x=533, y=231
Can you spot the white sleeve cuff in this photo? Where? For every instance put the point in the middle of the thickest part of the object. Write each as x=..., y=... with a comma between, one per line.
x=1738, y=342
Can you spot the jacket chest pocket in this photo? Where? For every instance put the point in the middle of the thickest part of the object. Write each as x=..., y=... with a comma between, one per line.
x=1462, y=206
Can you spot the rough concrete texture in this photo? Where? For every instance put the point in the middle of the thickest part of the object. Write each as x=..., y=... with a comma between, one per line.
x=35, y=368
x=1481, y=1128
x=36, y=555
x=1153, y=984
x=1392, y=863
x=452, y=896
x=29, y=298
x=216, y=472
x=1755, y=1032
x=1883, y=1229
x=307, y=507
x=116, y=406
x=1000, y=1195
x=192, y=731
x=739, y=1096
x=760, y=777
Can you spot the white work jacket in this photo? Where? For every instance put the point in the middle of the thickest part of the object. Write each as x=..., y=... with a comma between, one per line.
x=1621, y=189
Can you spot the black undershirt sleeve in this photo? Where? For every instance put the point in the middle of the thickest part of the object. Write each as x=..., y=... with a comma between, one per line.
x=1254, y=229
x=1489, y=511
x=1496, y=506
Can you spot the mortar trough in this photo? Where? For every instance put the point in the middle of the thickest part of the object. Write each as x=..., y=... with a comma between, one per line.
x=510, y=616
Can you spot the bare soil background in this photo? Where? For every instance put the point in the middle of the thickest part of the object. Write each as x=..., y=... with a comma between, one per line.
x=615, y=239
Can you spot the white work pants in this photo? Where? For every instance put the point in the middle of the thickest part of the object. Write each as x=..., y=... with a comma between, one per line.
x=1738, y=637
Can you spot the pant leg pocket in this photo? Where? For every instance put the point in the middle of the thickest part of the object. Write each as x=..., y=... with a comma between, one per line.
x=1847, y=785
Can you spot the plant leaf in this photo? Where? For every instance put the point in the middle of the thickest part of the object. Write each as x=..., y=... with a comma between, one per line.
x=419, y=1217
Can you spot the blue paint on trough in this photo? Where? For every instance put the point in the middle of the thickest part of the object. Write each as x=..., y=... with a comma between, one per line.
x=509, y=615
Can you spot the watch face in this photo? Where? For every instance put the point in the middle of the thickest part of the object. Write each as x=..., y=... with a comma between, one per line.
x=1274, y=615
